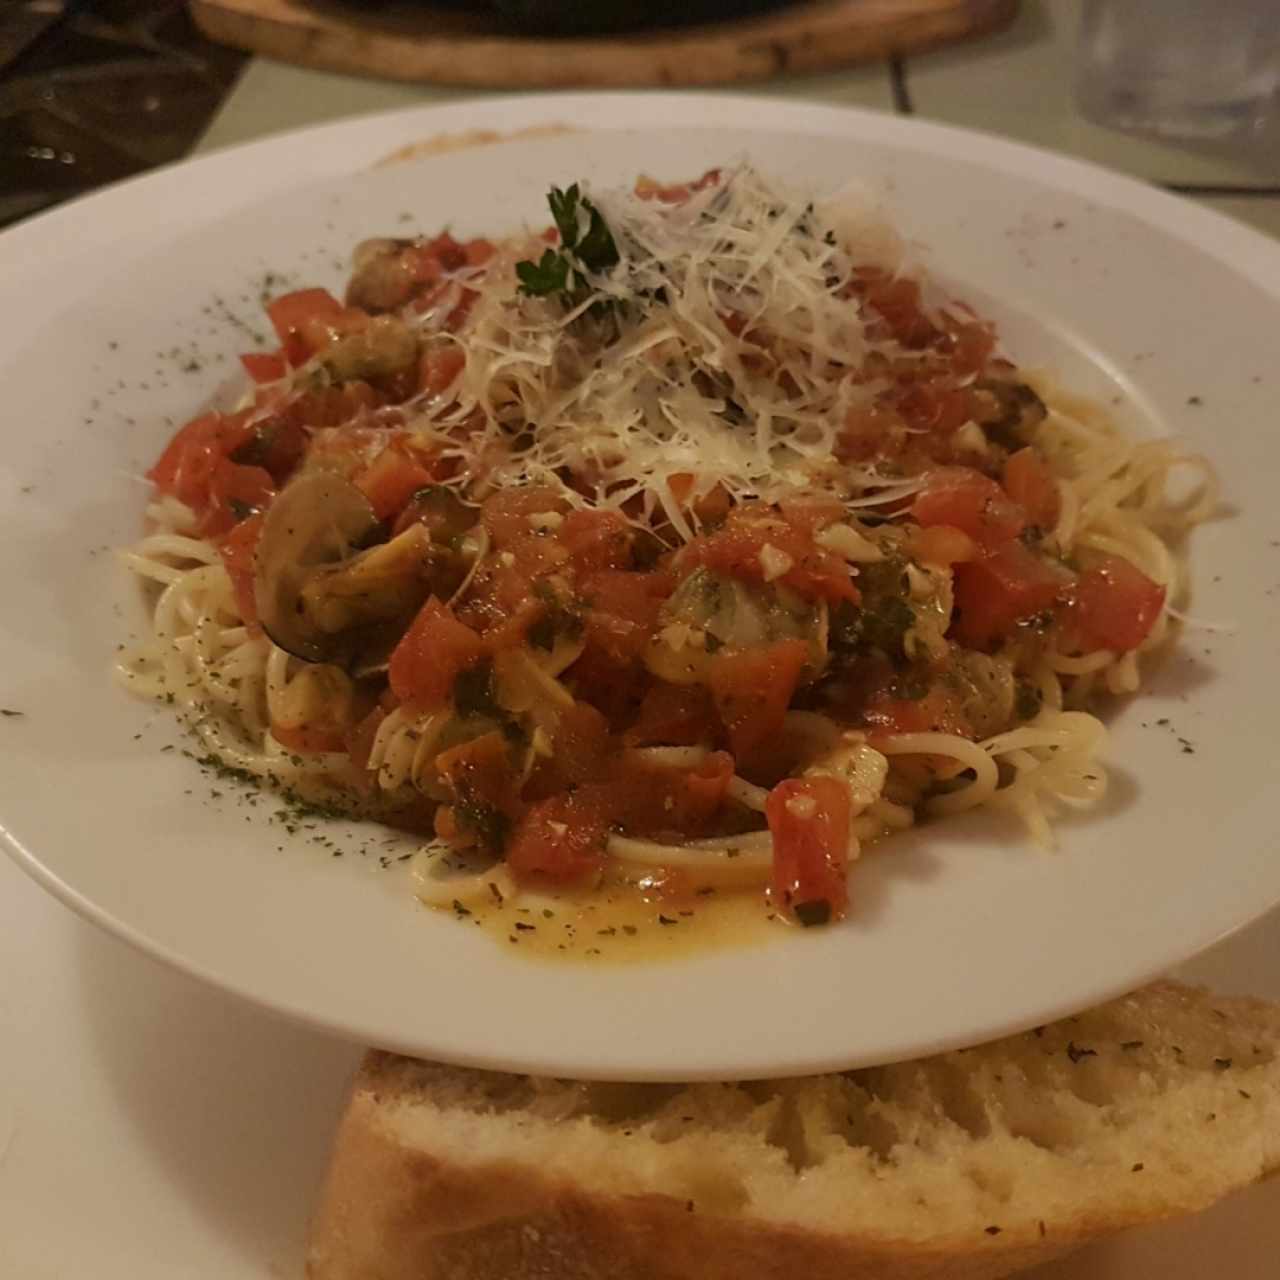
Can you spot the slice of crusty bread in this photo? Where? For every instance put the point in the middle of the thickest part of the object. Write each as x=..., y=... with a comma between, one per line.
x=969, y=1164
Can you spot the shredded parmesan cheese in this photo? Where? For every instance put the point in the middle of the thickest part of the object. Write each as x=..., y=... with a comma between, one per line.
x=725, y=350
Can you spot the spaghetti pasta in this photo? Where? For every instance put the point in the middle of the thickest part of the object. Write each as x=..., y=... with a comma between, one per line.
x=695, y=536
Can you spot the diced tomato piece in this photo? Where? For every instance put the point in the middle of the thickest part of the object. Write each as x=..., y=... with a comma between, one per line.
x=622, y=610
x=897, y=299
x=1030, y=483
x=459, y=297
x=485, y=786
x=597, y=540
x=1113, y=605
x=752, y=689
x=561, y=840
x=809, y=821
x=647, y=800
x=424, y=267
x=430, y=655
x=277, y=444
x=503, y=601
x=235, y=492
x=709, y=508
x=674, y=715
x=265, y=366
x=713, y=507
x=937, y=712
x=185, y=468
x=431, y=258
x=937, y=409
x=581, y=744
x=681, y=485
x=238, y=549
x=971, y=347
x=391, y=479
x=332, y=406
x=676, y=193
x=439, y=365
x=871, y=431
x=1003, y=588
x=580, y=752
x=810, y=515
x=506, y=514
x=969, y=501
x=478, y=252
x=291, y=313
x=614, y=687
x=749, y=547
x=941, y=544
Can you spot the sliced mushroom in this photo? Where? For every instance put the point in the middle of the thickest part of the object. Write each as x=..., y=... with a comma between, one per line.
x=449, y=566
x=445, y=513
x=382, y=279
x=382, y=583
x=384, y=347
x=325, y=597
x=376, y=248
x=318, y=520
x=1011, y=412
x=709, y=611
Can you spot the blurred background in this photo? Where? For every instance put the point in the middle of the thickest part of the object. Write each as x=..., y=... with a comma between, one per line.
x=1181, y=93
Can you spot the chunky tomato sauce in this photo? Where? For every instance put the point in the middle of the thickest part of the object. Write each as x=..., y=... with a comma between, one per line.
x=569, y=643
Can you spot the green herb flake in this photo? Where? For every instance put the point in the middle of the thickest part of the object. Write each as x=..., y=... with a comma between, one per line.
x=550, y=274
x=582, y=249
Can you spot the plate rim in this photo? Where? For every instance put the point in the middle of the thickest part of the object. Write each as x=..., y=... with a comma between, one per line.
x=337, y=145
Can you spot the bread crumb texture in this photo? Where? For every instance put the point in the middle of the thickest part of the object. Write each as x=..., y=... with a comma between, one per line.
x=971, y=1163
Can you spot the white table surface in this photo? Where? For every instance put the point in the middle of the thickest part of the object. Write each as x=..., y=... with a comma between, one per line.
x=154, y=1129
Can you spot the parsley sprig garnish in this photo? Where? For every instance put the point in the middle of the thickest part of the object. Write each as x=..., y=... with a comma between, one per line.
x=583, y=249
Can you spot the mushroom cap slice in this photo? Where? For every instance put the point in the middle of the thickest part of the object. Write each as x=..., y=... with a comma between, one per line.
x=318, y=519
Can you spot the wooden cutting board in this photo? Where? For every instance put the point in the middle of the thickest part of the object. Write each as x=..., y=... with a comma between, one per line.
x=423, y=42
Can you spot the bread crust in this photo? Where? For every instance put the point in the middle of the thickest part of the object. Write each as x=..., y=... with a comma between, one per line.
x=388, y=1213
x=412, y=1194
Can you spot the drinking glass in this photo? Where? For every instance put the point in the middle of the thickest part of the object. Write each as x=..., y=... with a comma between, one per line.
x=1183, y=68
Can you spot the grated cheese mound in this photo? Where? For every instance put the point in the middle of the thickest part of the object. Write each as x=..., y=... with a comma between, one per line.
x=718, y=352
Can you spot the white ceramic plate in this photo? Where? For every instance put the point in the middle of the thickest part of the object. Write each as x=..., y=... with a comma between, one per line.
x=124, y=313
